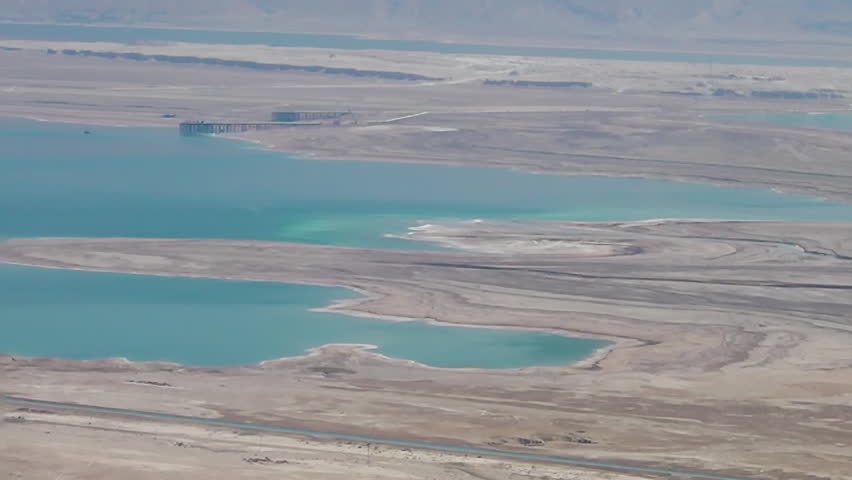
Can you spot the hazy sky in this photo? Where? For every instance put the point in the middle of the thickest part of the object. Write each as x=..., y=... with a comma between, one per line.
x=516, y=18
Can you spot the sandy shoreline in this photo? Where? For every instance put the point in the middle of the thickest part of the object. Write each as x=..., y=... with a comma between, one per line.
x=260, y=140
x=265, y=141
x=309, y=154
x=347, y=307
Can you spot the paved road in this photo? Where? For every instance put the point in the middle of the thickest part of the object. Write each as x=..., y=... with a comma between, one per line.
x=506, y=454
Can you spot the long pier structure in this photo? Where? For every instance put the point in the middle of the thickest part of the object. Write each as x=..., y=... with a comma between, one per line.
x=306, y=116
x=190, y=129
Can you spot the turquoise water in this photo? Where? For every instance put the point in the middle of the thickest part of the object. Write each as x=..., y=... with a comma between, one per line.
x=136, y=35
x=205, y=322
x=831, y=120
x=56, y=181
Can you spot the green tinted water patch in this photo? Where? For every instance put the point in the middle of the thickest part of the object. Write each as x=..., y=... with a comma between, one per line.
x=205, y=322
x=744, y=205
x=350, y=229
x=829, y=120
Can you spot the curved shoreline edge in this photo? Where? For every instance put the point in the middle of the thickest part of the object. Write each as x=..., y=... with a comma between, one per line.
x=345, y=307
x=809, y=191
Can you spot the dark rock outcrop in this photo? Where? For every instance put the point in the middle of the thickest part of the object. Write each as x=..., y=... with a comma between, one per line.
x=275, y=67
x=534, y=83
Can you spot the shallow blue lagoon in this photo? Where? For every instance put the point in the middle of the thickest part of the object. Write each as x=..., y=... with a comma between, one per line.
x=90, y=33
x=56, y=181
x=203, y=322
x=831, y=120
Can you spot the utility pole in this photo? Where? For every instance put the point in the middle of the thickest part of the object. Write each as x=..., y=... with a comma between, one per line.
x=369, y=453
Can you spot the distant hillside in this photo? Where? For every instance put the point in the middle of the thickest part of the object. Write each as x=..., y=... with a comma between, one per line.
x=537, y=20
